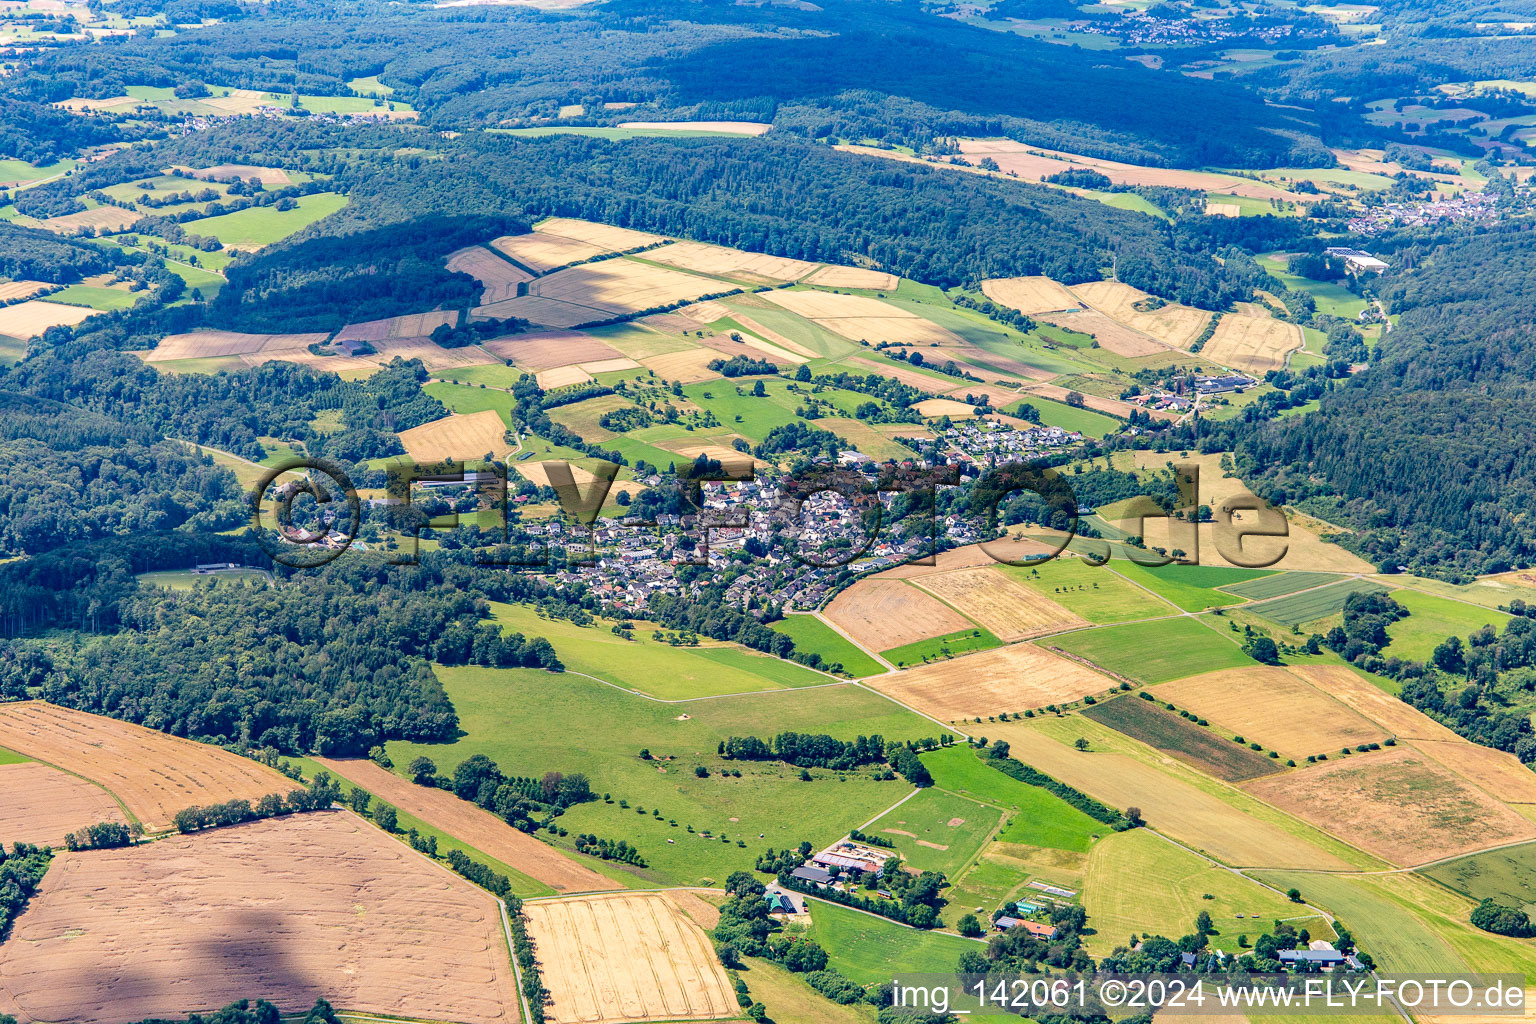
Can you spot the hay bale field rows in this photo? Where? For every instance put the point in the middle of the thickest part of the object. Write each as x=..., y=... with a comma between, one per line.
x=1011, y=679
x=153, y=774
x=43, y=804
x=994, y=601
x=289, y=909
x=626, y=957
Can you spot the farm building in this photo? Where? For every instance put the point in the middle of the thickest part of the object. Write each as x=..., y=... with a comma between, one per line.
x=781, y=901
x=1054, y=890
x=1221, y=385
x=815, y=876
x=848, y=856
x=1315, y=957
x=1044, y=931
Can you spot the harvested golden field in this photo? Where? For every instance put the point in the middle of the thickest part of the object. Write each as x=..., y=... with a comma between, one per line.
x=43, y=804
x=1402, y=720
x=245, y=172
x=542, y=311
x=10, y=291
x=432, y=355
x=609, y=365
x=706, y=312
x=293, y=909
x=1396, y=803
x=688, y=366
x=1497, y=771
x=1012, y=549
x=896, y=371
x=853, y=277
x=463, y=437
x=994, y=601
x=28, y=319
x=1030, y=295
x=816, y=305
x=1222, y=209
x=1034, y=162
x=623, y=286
x=717, y=260
x=206, y=344
x=1012, y=679
x=934, y=407
x=1199, y=819
x=1274, y=707
x=498, y=278
x=544, y=350
x=882, y=614
x=611, y=238
x=466, y=821
x=582, y=479
x=728, y=347
x=731, y=460
x=1112, y=336
x=1253, y=344
x=541, y=252
x=1173, y=324
x=104, y=219
x=153, y=774
x=626, y=957
x=562, y=376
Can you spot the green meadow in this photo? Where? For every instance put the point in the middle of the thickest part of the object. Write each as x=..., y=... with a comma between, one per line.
x=1431, y=619
x=1067, y=417
x=1155, y=651
x=263, y=225
x=940, y=647
x=1191, y=587
x=870, y=949
x=531, y=722
x=1093, y=592
x=1035, y=816
x=1320, y=603
x=11, y=757
x=812, y=635
x=104, y=299
x=463, y=398
x=652, y=666
x=1507, y=876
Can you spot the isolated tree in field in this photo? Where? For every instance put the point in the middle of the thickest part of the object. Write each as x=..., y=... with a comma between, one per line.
x=1294, y=895
x=969, y=926
x=1203, y=923
x=386, y=818
x=1081, y=743
x=1263, y=650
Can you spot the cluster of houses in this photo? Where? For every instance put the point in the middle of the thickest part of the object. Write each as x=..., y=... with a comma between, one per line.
x=1148, y=28
x=981, y=442
x=1469, y=206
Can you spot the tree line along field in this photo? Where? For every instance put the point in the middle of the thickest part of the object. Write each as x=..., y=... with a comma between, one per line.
x=1205, y=749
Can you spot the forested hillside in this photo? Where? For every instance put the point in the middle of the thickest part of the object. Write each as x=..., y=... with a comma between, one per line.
x=1433, y=451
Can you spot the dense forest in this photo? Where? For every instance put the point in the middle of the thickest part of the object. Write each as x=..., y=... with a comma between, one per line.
x=1429, y=455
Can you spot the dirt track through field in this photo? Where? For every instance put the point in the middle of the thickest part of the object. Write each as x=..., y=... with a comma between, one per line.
x=480, y=829
x=155, y=775
x=288, y=909
x=626, y=957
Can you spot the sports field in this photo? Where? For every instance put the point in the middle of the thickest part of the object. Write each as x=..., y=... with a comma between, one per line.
x=619, y=958
x=1139, y=882
x=301, y=907
x=652, y=666
x=1212, y=752
x=1397, y=804
x=532, y=722
x=813, y=636
x=1308, y=605
x=1034, y=816
x=1012, y=679
x=153, y=774
x=1155, y=651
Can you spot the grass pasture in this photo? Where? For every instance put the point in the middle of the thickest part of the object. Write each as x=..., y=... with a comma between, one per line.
x=813, y=636
x=870, y=949
x=1319, y=603
x=1507, y=876
x=938, y=830
x=1035, y=817
x=653, y=667
x=939, y=648
x=1191, y=587
x=1431, y=619
x=1137, y=881
x=1092, y=592
x=1153, y=652
x=686, y=827
x=260, y=226
x=1204, y=748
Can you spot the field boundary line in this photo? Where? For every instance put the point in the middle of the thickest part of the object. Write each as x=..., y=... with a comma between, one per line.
x=715, y=696
x=888, y=810
x=623, y=892
x=816, y=614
